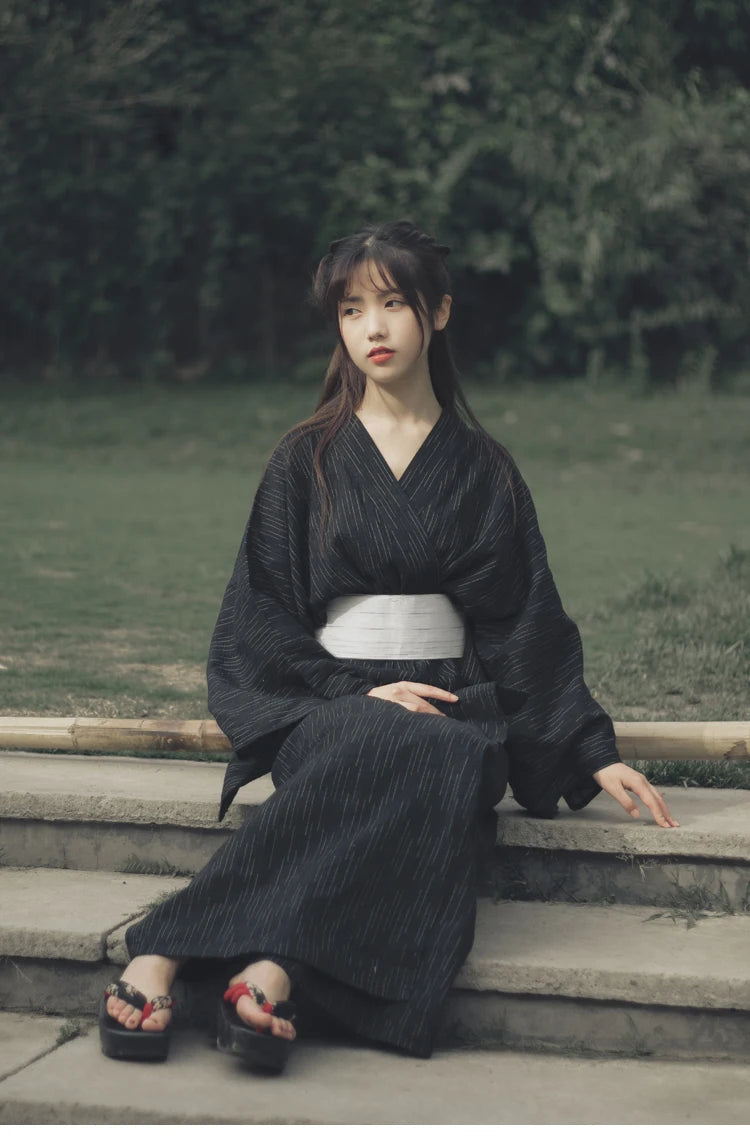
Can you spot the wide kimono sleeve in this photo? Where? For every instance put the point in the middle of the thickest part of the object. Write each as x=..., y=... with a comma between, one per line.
x=558, y=734
x=266, y=670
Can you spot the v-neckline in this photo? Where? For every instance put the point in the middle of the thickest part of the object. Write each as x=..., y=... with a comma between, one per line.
x=418, y=453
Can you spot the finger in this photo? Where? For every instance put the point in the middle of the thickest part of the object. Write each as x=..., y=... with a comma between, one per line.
x=657, y=806
x=662, y=803
x=425, y=707
x=419, y=706
x=430, y=690
x=618, y=792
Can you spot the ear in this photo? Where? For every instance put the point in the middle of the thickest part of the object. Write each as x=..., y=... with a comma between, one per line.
x=442, y=314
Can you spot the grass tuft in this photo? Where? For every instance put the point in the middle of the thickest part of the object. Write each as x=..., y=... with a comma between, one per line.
x=70, y=1029
x=134, y=865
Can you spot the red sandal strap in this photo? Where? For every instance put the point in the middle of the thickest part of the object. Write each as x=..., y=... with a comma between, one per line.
x=248, y=989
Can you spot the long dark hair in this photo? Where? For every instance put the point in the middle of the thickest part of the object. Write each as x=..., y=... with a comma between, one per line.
x=413, y=264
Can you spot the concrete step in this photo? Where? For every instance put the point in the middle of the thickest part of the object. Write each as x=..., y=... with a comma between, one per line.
x=604, y=979
x=159, y=817
x=44, y=1082
x=115, y=813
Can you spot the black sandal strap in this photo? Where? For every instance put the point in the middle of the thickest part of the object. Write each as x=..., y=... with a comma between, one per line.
x=126, y=993
x=285, y=1010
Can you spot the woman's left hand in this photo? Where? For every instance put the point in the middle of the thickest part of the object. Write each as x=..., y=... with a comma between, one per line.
x=617, y=779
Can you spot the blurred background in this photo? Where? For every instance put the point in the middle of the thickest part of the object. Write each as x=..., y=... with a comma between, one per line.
x=170, y=173
x=171, y=170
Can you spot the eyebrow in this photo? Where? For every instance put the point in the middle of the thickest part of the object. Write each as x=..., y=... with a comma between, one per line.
x=358, y=298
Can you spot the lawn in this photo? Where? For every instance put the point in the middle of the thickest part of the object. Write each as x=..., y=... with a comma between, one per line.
x=122, y=512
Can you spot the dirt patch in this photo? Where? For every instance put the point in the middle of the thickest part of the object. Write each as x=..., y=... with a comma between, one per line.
x=182, y=676
x=56, y=574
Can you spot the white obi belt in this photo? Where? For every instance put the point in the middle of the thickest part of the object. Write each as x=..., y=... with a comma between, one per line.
x=399, y=627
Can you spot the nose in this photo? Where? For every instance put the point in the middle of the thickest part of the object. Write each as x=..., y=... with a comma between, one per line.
x=375, y=325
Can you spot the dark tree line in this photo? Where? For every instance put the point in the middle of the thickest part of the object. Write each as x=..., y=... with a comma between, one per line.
x=170, y=171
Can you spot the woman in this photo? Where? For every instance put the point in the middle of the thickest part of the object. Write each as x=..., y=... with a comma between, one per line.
x=392, y=572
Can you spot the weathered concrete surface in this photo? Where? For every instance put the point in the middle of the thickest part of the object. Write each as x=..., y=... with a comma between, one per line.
x=141, y=848
x=334, y=1084
x=714, y=823
x=599, y=877
x=540, y=975
x=609, y=952
x=574, y=950
x=23, y=1037
x=116, y=789
x=574, y=1025
x=52, y=986
x=68, y=914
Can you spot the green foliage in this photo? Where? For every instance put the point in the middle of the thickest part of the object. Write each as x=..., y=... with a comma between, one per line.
x=170, y=173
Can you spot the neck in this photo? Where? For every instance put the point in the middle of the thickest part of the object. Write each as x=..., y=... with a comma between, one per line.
x=412, y=400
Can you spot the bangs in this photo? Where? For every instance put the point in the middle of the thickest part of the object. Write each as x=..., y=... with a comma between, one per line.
x=390, y=269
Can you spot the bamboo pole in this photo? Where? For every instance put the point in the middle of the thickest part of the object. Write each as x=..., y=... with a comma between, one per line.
x=34, y=733
x=646, y=740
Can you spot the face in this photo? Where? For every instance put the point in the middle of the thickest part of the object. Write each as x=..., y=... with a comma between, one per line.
x=382, y=334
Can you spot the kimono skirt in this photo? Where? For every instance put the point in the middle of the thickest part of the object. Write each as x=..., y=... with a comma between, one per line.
x=361, y=867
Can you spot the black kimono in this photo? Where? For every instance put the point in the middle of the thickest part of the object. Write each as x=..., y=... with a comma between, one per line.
x=361, y=867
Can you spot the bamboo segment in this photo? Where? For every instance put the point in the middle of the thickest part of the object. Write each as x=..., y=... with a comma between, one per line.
x=647, y=740
x=29, y=733
x=699, y=740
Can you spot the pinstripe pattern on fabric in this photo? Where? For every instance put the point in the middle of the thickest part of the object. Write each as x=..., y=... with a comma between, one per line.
x=448, y=526
x=361, y=867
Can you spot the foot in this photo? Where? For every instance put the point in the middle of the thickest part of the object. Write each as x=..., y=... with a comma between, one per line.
x=275, y=984
x=153, y=975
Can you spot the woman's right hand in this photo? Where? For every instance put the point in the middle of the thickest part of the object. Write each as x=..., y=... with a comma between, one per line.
x=411, y=695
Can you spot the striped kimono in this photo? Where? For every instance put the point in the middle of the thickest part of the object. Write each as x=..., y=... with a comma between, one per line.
x=359, y=872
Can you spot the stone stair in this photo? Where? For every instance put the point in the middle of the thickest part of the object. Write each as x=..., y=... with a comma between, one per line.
x=595, y=933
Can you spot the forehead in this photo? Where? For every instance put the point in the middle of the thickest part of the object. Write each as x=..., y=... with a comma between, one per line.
x=368, y=279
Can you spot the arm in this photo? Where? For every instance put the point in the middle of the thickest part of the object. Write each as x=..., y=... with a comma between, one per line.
x=560, y=742
x=266, y=670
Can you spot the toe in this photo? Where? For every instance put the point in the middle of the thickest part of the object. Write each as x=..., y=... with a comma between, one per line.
x=115, y=1006
x=133, y=1019
x=252, y=1014
x=281, y=1028
x=157, y=1021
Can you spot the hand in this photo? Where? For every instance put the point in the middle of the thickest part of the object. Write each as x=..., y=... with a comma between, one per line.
x=410, y=695
x=617, y=779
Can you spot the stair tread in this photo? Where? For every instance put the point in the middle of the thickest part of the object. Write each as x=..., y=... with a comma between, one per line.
x=60, y=914
x=613, y=952
x=580, y=950
x=332, y=1083
x=715, y=823
x=119, y=789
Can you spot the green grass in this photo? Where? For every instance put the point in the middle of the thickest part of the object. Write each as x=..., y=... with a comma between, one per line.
x=123, y=511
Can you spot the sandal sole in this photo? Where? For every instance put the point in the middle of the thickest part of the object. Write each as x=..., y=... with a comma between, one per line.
x=137, y=1045
x=262, y=1051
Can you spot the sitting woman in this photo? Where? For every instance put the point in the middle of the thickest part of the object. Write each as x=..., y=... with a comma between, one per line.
x=392, y=570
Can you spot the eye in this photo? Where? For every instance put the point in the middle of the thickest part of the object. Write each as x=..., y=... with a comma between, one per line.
x=395, y=302
x=348, y=311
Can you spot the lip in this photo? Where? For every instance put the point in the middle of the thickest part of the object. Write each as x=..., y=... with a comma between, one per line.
x=379, y=351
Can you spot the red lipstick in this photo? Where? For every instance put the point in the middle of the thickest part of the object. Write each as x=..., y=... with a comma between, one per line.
x=380, y=354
